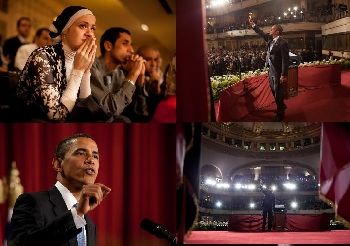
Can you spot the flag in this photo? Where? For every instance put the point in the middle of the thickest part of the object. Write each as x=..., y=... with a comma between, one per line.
x=335, y=168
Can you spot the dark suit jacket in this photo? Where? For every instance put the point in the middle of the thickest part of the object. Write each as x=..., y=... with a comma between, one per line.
x=279, y=55
x=10, y=48
x=42, y=218
x=269, y=200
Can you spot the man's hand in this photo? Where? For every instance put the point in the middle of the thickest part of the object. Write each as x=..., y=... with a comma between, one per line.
x=141, y=79
x=283, y=79
x=134, y=66
x=91, y=196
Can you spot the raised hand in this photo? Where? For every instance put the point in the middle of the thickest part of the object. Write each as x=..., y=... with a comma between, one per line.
x=250, y=19
x=91, y=196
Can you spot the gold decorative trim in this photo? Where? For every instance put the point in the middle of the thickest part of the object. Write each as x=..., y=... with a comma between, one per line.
x=338, y=217
x=15, y=186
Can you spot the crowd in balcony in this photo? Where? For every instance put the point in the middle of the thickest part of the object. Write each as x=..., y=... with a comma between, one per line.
x=324, y=13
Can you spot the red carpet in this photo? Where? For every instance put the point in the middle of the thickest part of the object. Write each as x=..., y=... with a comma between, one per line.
x=323, y=104
x=226, y=237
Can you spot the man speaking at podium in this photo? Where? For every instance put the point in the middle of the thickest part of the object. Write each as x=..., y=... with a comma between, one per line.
x=277, y=60
x=59, y=216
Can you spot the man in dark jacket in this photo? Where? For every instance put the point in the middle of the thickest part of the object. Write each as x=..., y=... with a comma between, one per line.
x=277, y=60
x=268, y=206
x=58, y=216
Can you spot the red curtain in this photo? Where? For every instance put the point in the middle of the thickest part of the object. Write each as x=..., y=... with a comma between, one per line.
x=335, y=168
x=192, y=79
x=136, y=160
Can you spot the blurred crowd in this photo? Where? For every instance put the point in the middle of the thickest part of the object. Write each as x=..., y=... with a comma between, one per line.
x=324, y=13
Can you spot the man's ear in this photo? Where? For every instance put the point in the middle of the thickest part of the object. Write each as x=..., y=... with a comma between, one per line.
x=57, y=164
x=108, y=45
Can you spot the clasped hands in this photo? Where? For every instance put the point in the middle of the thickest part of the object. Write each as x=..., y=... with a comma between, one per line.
x=135, y=65
x=85, y=55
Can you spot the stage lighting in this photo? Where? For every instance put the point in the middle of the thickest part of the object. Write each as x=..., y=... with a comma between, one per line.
x=264, y=187
x=290, y=186
x=210, y=182
x=289, y=9
x=252, y=205
x=218, y=3
x=285, y=14
x=294, y=205
x=238, y=186
x=251, y=187
x=295, y=8
x=223, y=185
x=218, y=204
x=273, y=187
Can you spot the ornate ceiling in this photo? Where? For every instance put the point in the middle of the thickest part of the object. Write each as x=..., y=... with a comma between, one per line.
x=270, y=131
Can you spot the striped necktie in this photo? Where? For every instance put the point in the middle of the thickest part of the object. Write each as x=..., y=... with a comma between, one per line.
x=81, y=238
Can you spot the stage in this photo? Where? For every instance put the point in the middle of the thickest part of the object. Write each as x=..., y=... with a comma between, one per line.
x=321, y=101
x=226, y=237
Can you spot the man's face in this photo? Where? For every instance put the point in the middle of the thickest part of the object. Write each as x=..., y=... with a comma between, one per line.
x=44, y=39
x=122, y=48
x=24, y=28
x=153, y=60
x=80, y=164
x=274, y=32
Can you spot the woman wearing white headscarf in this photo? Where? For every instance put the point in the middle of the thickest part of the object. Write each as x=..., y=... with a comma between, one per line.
x=55, y=76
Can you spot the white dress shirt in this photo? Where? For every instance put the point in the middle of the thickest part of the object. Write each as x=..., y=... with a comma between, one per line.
x=70, y=201
x=23, y=54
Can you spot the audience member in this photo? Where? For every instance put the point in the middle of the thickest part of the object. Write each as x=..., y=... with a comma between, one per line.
x=41, y=39
x=11, y=45
x=56, y=75
x=118, y=74
x=155, y=88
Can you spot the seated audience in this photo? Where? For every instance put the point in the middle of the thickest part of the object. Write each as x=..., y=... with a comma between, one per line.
x=55, y=76
x=12, y=44
x=117, y=75
x=155, y=88
x=166, y=109
x=41, y=39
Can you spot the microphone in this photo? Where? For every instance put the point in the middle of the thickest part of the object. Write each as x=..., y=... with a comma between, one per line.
x=158, y=231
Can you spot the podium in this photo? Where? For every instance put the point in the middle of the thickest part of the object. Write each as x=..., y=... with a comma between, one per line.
x=279, y=221
x=291, y=88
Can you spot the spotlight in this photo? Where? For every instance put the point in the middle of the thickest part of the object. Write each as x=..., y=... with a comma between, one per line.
x=238, y=186
x=273, y=187
x=295, y=8
x=218, y=204
x=210, y=182
x=290, y=186
x=294, y=205
x=252, y=205
x=251, y=187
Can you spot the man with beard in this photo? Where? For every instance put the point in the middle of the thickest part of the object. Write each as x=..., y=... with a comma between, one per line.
x=117, y=73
